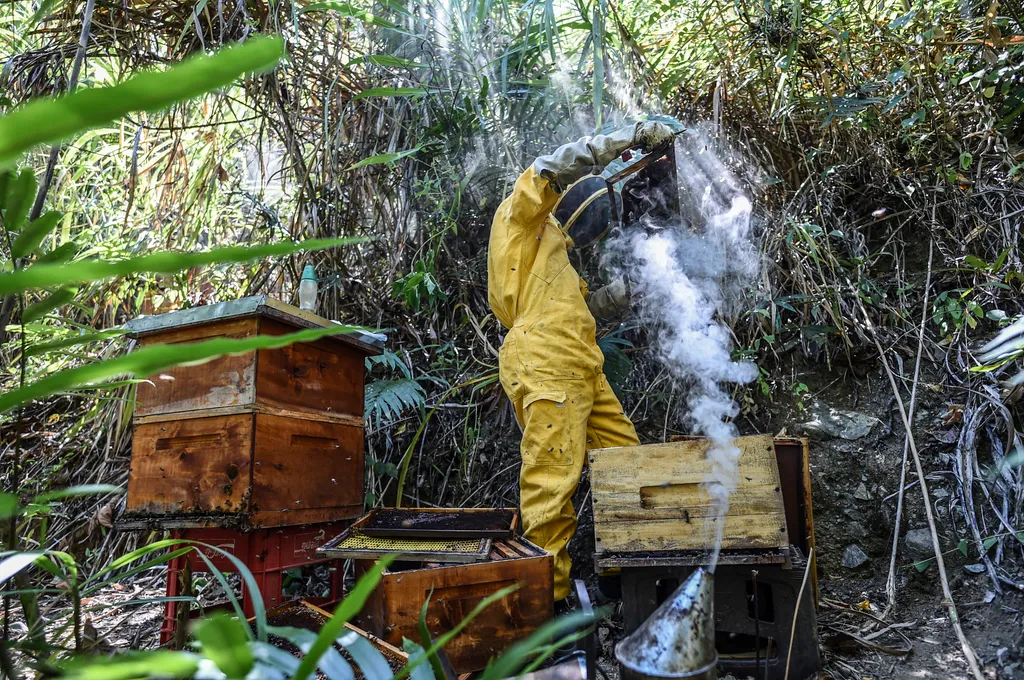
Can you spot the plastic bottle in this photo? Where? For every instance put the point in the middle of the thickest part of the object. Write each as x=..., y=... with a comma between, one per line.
x=307, y=289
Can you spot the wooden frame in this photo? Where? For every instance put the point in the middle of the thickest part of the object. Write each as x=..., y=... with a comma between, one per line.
x=393, y=609
x=651, y=498
x=407, y=547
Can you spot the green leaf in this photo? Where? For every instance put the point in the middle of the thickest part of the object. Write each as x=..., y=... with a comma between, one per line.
x=512, y=660
x=73, y=341
x=989, y=542
x=163, y=664
x=161, y=559
x=76, y=491
x=349, y=607
x=388, y=60
x=42, y=11
x=8, y=505
x=386, y=399
x=392, y=92
x=18, y=201
x=167, y=262
x=447, y=637
x=45, y=121
x=225, y=642
x=420, y=670
x=34, y=232
x=332, y=663
x=597, y=33
x=152, y=360
x=58, y=255
x=427, y=642
x=976, y=262
x=48, y=304
x=962, y=546
x=370, y=661
x=922, y=565
x=965, y=160
x=137, y=554
x=383, y=158
x=346, y=10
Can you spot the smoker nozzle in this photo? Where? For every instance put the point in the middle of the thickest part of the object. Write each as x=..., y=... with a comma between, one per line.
x=678, y=639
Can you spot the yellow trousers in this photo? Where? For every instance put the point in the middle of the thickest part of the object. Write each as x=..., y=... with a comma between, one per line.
x=562, y=420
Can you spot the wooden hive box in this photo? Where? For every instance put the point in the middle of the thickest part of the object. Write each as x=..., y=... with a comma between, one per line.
x=651, y=499
x=392, y=613
x=268, y=438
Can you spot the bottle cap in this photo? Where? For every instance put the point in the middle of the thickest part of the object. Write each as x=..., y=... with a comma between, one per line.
x=308, y=274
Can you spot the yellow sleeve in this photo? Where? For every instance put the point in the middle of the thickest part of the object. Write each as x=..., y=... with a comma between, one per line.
x=515, y=241
x=533, y=198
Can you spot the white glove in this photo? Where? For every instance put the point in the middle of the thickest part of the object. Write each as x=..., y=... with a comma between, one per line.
x=651, y=134
x=611, y=301
x=572, y=161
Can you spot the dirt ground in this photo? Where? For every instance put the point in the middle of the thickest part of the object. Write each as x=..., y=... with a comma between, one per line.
x=854, y=483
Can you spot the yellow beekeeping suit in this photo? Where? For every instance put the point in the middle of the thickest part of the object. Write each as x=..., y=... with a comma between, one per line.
x=550, y=365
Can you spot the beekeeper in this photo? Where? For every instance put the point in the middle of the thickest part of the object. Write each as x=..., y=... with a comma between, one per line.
x=549, y=364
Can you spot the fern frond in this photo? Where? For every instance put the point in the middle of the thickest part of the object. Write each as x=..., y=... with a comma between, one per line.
x=386, y=399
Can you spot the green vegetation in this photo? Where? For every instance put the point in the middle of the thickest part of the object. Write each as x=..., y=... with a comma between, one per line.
x=375, y=139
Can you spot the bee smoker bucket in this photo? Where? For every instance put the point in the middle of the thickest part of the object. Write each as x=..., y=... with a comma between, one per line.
x=678, y=640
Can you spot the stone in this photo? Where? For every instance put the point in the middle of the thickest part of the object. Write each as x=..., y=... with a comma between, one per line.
x=918, y=543
x=848, y=425
x=857, y=530
x=854, y=557
x=862, y=493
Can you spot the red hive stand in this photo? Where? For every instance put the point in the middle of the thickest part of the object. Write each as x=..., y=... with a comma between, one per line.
x=266, y=553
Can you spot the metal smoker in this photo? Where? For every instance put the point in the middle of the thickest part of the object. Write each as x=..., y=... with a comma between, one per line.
x=678, y=639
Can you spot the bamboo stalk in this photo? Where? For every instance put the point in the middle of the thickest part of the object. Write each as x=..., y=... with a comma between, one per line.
x=954, y=617
x=890, y=581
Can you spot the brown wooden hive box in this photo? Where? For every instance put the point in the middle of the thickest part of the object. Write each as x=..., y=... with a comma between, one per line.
x=393, y=610
x=268, y=438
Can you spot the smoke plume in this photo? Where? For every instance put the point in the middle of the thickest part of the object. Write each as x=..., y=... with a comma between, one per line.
x=690, y=277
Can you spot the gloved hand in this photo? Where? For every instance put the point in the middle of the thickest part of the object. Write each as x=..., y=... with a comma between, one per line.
x=572, y=161
x=650, y=135
x=611, y=301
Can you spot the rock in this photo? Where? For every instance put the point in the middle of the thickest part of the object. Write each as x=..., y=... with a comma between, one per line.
x=862, y=493
x=841, y=424
x=918, y=543
x=856, y=530
x=854, y=557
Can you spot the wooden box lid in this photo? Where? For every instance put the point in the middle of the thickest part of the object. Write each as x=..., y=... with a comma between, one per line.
x=254, y=306
x=651, y=498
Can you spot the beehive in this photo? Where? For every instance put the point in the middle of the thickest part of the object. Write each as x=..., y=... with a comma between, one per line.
x=268, y=438
x=652, y=498
x=393, y=610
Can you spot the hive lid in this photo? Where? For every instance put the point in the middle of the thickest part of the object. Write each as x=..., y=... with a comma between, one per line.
x=256, y=305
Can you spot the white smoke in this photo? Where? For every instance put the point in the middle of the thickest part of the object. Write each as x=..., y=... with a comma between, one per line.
x=689, y=279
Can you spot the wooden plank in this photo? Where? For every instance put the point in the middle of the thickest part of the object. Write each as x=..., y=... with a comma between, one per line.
x=457, y=589
x=524, y=550
x=222, y=382
x=303, y=465
x=321, y=376
x=198, y=465
x=250, y=307
x=343, y=418
x=652, y=498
